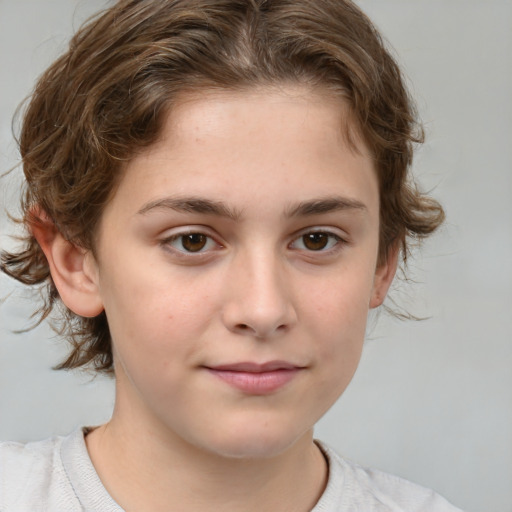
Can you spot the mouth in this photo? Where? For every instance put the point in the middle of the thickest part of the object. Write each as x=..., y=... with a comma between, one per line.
x=255, y=378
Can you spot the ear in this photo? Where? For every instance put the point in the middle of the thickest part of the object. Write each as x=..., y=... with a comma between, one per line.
x=73, y=269
x=384, y=275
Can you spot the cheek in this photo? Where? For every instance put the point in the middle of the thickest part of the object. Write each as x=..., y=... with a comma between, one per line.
x=342, y=303
x=153, y=315
x=340, y=326
x=339, y=312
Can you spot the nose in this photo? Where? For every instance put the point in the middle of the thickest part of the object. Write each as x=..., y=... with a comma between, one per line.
x=259, y=298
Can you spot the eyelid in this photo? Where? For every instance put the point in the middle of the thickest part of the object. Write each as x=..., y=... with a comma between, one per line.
x=328, y=230
x=342, y=238
x=176, y=233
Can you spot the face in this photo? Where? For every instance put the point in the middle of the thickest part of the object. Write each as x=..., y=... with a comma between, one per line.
x=236, y=265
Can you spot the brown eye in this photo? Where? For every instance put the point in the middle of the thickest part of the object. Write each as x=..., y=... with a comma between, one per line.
x=315, y=241
x=193, y=242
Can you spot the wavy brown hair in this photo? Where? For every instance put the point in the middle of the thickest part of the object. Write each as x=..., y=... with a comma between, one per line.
x=105, y=98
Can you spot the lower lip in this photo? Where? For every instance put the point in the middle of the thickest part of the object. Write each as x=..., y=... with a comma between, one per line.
x=256, y=383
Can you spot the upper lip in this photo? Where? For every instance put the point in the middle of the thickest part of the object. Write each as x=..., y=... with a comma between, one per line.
x=251, y=367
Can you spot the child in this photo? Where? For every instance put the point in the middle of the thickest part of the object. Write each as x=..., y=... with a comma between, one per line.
x=218, y=191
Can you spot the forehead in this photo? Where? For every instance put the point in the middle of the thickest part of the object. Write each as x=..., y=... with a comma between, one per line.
x=269, y=141
x=287, y=108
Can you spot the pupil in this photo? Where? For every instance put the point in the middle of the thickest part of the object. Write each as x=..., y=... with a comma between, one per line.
x=193, y=242
x=315, y=241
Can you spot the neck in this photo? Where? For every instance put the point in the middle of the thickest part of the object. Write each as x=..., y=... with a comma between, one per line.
x=146, y=469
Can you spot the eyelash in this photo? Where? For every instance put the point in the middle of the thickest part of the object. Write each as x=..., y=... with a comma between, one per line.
x=332, y=240
x=333, y=243
x=168, y=242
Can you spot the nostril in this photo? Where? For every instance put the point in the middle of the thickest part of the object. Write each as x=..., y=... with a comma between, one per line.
x=247, y=329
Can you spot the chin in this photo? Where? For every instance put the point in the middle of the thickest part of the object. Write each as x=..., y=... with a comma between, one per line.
x=255, y=444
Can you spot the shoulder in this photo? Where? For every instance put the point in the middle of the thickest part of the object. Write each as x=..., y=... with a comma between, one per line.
x=32, y=477
x=353, y=487
x=28, y=463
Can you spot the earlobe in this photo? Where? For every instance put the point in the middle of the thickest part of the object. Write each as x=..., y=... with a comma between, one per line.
x=73, y=269
x=384, y=275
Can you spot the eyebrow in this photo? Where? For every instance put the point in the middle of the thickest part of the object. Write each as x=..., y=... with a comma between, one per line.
x=325, y=205
x=203, y=206
x=191, y=205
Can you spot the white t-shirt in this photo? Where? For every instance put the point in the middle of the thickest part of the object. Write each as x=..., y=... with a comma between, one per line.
x=57, y=475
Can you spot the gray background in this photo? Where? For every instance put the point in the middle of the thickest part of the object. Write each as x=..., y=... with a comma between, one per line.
x=432, y=400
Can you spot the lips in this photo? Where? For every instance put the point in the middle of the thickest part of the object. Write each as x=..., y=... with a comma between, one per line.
x=255, y=378
x=256, y=367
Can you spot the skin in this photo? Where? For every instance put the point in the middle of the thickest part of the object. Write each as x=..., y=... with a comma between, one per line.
x=283, y=219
